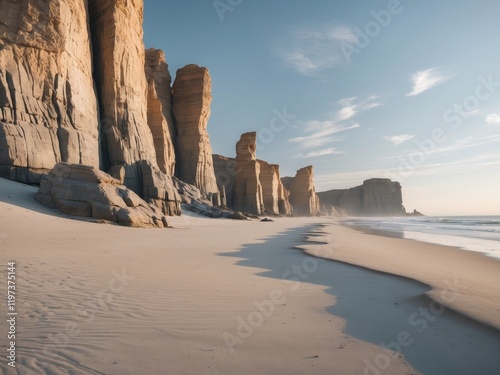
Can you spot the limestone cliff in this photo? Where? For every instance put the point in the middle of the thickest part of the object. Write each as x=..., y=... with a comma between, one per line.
x=191, y=105
x=48, y=107
x=303, y=196
x=119, y=58
x=275, y=196
x=247, y=189
x=376, y=197
x=160, y=116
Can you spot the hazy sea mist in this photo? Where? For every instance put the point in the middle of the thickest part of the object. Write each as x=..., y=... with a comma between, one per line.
x=473, y=233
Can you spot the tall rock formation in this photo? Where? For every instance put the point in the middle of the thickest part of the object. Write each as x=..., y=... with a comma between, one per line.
x=303, y=196
x=376, y=197
x=275, y=196
x=191, y=105
x=119, y=58
x=160, y=116
x=48, y=108
x=225, y=173
x=247, y=190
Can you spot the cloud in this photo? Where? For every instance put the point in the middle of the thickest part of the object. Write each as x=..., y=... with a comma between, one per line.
x=323, y=133
x=309, y=50
x=493, y=118
x=426, y=79
x=352, y=106
x=398, y=139
x=316, y=154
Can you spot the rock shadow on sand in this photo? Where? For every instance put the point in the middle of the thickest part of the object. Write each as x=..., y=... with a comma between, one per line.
x=387, y=310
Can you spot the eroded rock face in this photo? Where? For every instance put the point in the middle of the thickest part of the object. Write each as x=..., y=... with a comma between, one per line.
x=160, y=116
x=159, y=189
x=191, y=106
x=119, y=57
x=225, y=173
x=247, y=190
x=275, y=196
x=376, y=197
x=303, y=196
x=82, y=190
x=48, y=107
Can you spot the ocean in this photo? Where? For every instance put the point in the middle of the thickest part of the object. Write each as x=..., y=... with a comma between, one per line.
x=473, y=233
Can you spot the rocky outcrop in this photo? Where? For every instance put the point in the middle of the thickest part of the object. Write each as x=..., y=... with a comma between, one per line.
x=275, y=196
x=119, y=58
x=48, y=107
x=159, y=189
x=303, y=196
x=225, y=173
x=191, y=106
x=247, y=190
x=82, y=190
x=376, y=197
x=160, y=116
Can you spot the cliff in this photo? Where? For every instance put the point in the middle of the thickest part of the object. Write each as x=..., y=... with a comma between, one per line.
x=376, y=197
x=48, y=106
x=160, y=117
x=77, y=86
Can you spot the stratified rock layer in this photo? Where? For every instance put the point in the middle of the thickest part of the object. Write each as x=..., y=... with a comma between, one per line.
x=247, y=190
x=160, y=116
x=303, y=196
x=48, y=107
x=376, y=197
x=225, y=173
x=275, y=196
x=191, y=106
x=119, y=58
x=82, y=190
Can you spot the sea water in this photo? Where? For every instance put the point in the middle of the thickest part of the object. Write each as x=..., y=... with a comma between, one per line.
x=474, y=233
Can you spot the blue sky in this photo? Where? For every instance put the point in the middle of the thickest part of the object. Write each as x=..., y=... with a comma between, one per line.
x=407, y=89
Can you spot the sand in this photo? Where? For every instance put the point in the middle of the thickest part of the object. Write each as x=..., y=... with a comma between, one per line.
x=210, y=297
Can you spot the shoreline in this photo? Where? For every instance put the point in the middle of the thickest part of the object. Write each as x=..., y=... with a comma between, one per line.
x=437, y=285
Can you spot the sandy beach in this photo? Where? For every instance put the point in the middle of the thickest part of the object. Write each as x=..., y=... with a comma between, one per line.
x=230, y=297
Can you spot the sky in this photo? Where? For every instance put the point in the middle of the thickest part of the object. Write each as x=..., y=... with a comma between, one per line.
x=407, y=90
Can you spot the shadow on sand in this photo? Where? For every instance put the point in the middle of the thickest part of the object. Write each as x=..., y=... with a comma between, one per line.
x=382, y=308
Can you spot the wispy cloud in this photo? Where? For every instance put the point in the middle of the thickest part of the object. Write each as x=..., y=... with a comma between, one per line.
x=309, y=50
x=351, y=107
x=426, y=79
x=323, y=132
x=398, y=139
x=493, y=118
x=319, y=153
x=453, y=147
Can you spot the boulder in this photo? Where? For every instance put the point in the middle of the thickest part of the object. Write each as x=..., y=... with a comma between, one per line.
x=48, y=105
x=303, y=196
x=160, y=115
x=82, y=190
x=191, y=107
x=247, y=190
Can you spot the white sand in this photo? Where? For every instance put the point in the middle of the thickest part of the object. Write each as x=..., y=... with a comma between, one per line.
x=103, y=299
x=183, y=294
